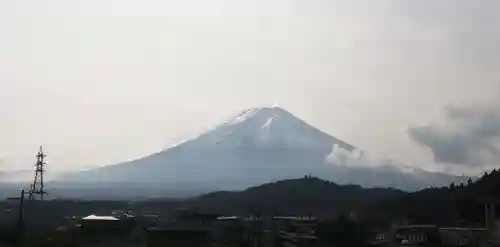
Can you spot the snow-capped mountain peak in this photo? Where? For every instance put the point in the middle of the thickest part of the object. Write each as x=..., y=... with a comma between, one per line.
x=269, y=111
x=268, y=127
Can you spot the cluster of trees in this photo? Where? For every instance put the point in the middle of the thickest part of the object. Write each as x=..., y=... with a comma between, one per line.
x=342, y=231
x=461, y=185
x=309, y=176
x=456, y=205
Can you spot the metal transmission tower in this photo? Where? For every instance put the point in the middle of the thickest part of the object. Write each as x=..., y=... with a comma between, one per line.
x=37, y=185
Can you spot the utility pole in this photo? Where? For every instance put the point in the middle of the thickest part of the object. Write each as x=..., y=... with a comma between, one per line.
x=486, y=216
x=20, y=220
x=37, y=187
x=489, y=210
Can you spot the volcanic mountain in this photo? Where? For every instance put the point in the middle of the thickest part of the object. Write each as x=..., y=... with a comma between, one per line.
x=256, y=146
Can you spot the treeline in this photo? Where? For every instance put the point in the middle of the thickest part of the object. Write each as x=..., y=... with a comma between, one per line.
x=455, y=205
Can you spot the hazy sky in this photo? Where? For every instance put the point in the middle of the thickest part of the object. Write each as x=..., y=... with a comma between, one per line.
x=100, y=81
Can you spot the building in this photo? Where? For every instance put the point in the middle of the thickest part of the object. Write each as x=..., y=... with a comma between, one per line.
x=295, y=231
x=379, y=237
x=99, y=224
x=99, y=230
x=416, y=235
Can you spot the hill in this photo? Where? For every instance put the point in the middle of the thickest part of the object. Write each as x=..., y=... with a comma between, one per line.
x=306, y=196
x=455, y=205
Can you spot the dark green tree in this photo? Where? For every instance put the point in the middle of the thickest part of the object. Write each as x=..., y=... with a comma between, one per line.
x=342, y=232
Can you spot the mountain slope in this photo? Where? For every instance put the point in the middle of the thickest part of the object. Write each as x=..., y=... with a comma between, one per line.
x=255, y=147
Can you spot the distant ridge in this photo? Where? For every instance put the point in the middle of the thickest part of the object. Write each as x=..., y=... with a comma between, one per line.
x=293, y=197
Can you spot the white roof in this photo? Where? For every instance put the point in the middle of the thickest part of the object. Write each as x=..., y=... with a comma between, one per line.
x=228, y=218
x=95, y=217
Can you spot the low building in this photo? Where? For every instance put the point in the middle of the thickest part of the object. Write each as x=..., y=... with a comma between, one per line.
x=295, y=231
x=99, y=224
x=416, y=235
x=100, y=230
x=379, y=237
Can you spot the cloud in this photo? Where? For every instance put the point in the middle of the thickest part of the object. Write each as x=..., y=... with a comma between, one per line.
x=470, y=136
x=355, y=158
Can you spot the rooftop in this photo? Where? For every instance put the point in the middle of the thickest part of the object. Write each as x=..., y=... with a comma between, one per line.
x=95, y=217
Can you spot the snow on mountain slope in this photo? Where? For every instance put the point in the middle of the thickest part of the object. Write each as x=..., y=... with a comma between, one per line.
x=267, y=127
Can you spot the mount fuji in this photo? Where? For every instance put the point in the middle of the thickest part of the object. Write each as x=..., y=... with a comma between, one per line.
x=256, y=146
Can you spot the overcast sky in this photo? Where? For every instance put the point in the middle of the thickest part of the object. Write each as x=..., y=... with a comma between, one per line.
x=100, y=81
